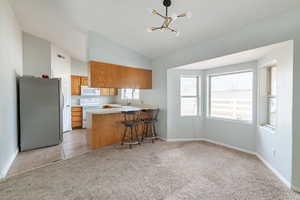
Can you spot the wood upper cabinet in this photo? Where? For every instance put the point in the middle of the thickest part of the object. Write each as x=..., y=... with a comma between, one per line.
x=104, y=75
x=76, y=85
x=78, y=81
x=84, y=81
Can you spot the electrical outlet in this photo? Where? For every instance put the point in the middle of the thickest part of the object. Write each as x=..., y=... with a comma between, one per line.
x=274, y=152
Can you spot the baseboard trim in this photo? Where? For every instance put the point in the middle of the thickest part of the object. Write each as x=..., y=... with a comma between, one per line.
x=4, y=171
x=183, y=139
x=229, y=146
x=275, y=171
x=161, y=138
x=297, y=189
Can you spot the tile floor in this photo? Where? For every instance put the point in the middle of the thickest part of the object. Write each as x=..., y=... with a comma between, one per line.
x=74, y=144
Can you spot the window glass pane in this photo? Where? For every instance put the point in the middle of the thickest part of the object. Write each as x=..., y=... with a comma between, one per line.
x=189, y=106
x=136, y=94
x=273, y=76
x=272, y=103
x=123, y=94
x=130, y=94
x=231, y=96
x=188, y=86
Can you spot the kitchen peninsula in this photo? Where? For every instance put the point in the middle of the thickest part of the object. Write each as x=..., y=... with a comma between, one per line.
x=104, y=125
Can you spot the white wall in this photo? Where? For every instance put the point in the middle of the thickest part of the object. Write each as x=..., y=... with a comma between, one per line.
x=178, y=127
x=263, y=33
x=36, y=55
x=230, y=132
x=10, y=68
x=104, y=50
x=280, y=140
x=79, y=68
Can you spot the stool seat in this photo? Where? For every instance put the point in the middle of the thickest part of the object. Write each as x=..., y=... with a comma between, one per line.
x=130, y=123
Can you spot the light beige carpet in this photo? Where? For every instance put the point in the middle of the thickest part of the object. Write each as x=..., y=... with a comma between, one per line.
x=188, y=170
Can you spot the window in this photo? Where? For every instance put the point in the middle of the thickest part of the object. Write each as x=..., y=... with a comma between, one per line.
x=271, y=96
x=130, y=94
x=230, y=96
x=189, y=95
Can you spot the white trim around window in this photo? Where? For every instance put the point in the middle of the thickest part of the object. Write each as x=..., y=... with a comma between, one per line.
x=190, y=95
x=241, y=109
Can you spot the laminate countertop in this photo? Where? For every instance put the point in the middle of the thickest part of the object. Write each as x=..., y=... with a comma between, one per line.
x=121, y=109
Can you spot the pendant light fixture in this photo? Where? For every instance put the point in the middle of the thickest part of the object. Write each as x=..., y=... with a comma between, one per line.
x=168, y=20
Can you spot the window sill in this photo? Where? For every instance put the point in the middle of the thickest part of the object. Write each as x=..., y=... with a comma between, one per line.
x=230, y=120
x=267, y=128
x=190, y=116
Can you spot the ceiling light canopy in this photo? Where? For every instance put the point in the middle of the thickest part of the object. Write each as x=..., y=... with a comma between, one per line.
x=168, y=20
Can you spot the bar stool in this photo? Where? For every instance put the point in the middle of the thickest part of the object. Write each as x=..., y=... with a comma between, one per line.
x=149, y=129
x=131, y=122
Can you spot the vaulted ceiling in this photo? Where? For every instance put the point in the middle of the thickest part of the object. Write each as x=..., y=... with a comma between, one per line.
x=67, y=22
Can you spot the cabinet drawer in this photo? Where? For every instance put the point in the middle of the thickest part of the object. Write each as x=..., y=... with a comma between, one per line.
x=78, y=109
x=77, y=114
x=76, y=118
x=76, y=124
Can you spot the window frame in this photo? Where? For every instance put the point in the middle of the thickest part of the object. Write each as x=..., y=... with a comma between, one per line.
x=198, y=95
x=269, y=97
x=123, y=90
x=208, y=107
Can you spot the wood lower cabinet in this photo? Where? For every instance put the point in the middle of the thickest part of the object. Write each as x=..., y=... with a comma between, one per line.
x=76, y=117
x=104, y=75
x=107, y=129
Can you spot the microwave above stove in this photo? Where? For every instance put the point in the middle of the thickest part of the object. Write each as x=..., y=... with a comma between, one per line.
x=87, y=91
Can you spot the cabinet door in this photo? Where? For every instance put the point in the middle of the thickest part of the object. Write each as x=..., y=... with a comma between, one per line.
x=105, y=75
x=76, y=117
x=145, y=79
x=75, y=82
x=84, y=81
x=128, y=78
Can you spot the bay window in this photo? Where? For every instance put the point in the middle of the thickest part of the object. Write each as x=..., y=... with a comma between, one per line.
x=230, y=96
x=189, y=95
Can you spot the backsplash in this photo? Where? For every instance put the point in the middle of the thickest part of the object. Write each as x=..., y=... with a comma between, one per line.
x=94, y=99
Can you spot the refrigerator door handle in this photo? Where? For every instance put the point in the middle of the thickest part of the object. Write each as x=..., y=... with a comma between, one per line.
x=63, y=100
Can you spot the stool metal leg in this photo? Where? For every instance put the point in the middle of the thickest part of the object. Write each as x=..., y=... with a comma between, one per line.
x=124, y=136
x=152, y=132
x=154, y=129
x=137, y=134
x=131, y=138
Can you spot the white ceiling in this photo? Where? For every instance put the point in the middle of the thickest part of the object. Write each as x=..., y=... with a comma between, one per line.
x=236, y=58
x=125, y=21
